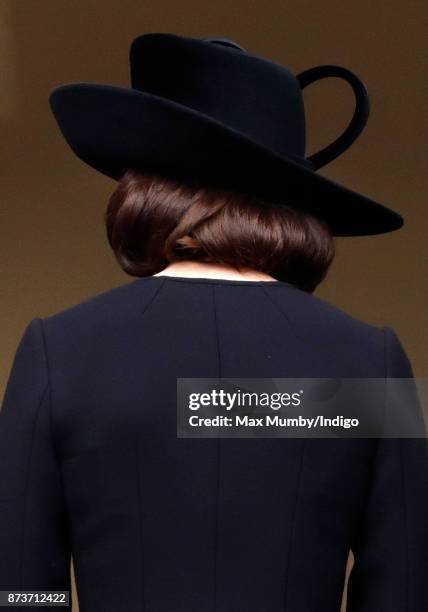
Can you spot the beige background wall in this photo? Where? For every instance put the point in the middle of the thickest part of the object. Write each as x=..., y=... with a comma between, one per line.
x=53, y=250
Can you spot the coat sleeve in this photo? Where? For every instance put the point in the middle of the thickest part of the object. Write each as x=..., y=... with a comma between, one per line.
x=34, y=543
x=390, y=550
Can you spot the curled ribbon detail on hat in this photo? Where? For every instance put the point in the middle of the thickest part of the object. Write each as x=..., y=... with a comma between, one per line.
x=360, y=116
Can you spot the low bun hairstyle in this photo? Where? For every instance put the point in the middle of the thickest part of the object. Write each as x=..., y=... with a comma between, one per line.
x=153, y=220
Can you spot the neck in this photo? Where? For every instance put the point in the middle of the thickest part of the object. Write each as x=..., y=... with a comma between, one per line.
x=198, y=269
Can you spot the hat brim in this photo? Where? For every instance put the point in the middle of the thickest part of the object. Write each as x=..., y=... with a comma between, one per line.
x=114, y=128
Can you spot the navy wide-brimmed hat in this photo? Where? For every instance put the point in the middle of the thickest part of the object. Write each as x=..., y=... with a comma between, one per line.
x=205, y=109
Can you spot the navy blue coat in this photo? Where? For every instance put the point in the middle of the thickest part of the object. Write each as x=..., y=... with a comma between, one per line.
x=90, y=462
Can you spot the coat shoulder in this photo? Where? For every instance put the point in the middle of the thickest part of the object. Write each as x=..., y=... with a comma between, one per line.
x=319, y=317
x=110, y=310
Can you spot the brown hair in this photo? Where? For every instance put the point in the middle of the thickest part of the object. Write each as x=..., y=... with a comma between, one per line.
x=153, y=220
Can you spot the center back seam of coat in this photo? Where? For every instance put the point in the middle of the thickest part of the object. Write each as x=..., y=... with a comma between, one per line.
x=140, y=520
x=216, y=332
x=293, y=525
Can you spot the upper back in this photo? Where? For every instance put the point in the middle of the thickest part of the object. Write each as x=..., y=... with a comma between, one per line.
x=211, y=327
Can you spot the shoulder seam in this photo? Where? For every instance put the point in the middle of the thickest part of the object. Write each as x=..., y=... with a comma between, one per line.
x=283, y=313
x=386, y=332
x=28, y=468
x=150, y=301
x=27, y=477
x=49, y=385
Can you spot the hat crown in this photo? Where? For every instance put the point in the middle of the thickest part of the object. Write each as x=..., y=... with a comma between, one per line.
x=218, y=78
